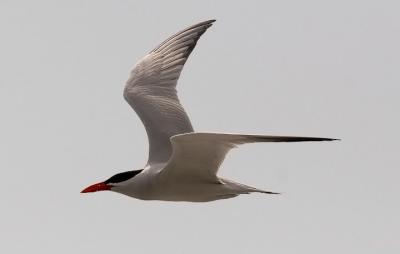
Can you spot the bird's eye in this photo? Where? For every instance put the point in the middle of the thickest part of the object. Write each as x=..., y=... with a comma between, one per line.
x=121, y=177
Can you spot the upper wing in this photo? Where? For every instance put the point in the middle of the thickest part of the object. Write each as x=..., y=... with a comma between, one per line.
x=200, y=154
x=151, y=91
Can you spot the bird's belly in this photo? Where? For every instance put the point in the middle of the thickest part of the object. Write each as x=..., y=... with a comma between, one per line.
x=191, y=192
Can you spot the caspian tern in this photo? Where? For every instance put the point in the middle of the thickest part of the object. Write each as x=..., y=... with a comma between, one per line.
x=182, y=164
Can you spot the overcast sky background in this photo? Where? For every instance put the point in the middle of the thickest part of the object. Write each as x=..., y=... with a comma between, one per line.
x=315, y=68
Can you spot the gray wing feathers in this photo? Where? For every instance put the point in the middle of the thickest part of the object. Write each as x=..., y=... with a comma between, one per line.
x=151, y=91
x=201, y=154
x=238, y=139
x=196, y=31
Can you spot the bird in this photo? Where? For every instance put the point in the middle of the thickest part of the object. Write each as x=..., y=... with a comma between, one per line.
x=182, y=164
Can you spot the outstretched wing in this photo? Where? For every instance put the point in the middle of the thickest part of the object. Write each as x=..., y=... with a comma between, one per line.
x=199, y=155
x=151, y=91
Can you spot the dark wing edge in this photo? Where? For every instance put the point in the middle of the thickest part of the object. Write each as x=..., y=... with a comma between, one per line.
x=239, y=139
x=199, y=28
x=266, y=138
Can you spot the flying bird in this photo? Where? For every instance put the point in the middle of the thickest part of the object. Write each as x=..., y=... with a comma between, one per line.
x=182, y=164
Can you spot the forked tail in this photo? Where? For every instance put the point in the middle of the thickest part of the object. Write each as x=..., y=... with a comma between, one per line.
x=239, y=188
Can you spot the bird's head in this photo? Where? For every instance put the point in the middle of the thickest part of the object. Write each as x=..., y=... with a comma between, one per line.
x=111, y=182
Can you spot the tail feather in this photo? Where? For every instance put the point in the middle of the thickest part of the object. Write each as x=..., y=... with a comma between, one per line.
x=239, y=188
x=268, y=192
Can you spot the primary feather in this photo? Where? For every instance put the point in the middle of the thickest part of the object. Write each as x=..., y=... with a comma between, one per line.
x=151, y=91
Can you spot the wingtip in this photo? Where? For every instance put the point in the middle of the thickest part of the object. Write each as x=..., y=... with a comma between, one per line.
x=207, y=23
x=326, y=139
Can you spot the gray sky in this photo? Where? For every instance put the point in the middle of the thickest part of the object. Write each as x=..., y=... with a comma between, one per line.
x=318, y=68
